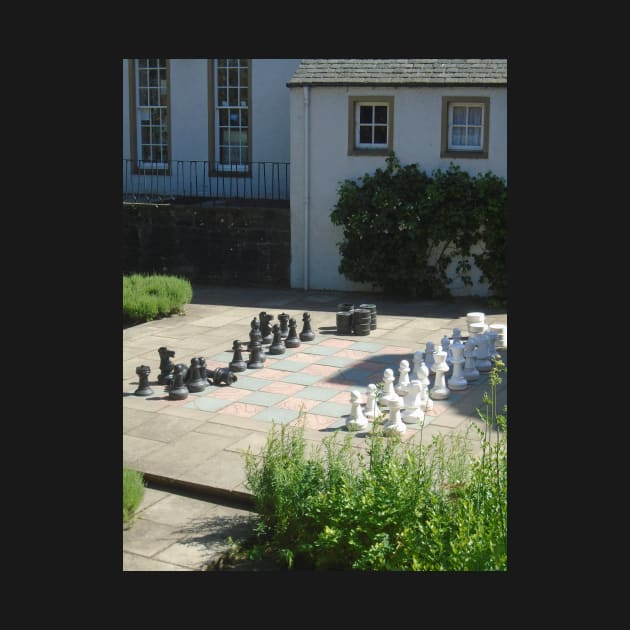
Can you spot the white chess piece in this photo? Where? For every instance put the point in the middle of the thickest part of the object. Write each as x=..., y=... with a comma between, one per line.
x=429, y=360
x=470, y=372
x=457, y=335
x=413, y=403
x=388, y=387
x=492, y=340
x=356, y=420
x=418, y=358
x=371, y=406
x=482, y=354
x=403, y=380
x=440, y=391
x=427, y=403
x=394, y=424
x=457, y=380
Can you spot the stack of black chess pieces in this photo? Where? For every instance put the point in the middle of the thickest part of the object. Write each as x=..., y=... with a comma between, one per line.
x=179, y=379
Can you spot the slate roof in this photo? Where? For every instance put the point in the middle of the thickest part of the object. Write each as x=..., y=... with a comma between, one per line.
x=400, y=72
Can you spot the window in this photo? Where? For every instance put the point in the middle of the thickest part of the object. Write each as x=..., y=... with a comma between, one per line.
x=231, y=128
x=150, y=114
x=370, y=125
x=465, y=127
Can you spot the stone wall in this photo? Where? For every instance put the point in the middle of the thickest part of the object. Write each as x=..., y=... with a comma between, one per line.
x=237, y=245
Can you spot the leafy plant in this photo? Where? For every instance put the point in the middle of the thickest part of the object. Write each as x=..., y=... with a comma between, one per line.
x=403, y=228
x=148, y=297
x=133, y=492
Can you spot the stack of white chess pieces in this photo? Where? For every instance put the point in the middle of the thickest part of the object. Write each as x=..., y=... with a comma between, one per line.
x=410, y=397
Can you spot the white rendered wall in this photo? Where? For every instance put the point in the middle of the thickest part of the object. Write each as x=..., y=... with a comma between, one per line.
x=417, y=139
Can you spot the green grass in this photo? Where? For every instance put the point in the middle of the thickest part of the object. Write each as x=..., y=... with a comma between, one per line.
x=133, y=492
x=399, y=507
x=149, y=297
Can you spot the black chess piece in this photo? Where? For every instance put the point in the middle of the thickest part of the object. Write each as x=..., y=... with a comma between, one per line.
x=193, y=381
x=222, y=375
x=307, y=333
x=254, y=334
x=292, y=340
x=177, y=389
x=283, y=318
x=166, y=365
x=277, y=346
x=237, y=364
x=203, y=369
x=255, y=361
x=265, y=328
x=143, y=372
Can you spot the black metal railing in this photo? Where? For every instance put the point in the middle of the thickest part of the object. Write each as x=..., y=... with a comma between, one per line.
x=185, y=179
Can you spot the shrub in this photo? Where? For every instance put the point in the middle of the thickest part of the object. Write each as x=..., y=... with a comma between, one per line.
x=400, y=507
x=402, y=228
x=133, y=492
x=148, y=297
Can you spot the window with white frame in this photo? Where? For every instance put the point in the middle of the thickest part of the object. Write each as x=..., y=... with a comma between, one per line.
x=465, y=126
x=232, y=99
x=370, y=125
x=151, y=113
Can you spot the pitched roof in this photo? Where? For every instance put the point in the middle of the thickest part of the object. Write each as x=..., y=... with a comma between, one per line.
x=400, y=72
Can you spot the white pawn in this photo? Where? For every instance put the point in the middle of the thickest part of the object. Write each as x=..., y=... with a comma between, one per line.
x=389, y=393
x=482, y=354
x=428, y=354
x=457, y=380
x=470, y=373
x=418, y=358
x=371, y=406
x=403, y=379
x=427, y=403
x=413, y=403
x=440, y=391
x=394, y=424
x=356, y=420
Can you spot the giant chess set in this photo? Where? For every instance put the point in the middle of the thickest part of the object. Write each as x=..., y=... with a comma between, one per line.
x=435, y=371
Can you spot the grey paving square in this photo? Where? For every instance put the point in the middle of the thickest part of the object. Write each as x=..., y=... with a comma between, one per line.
x=302, y=379
x=281, y=416
x=320, y=350
x=208, y=404
x=247, y=382
x=335, y=361
x=366, y=346
x=288, y=366
x=330, y=409
x=224, y=357
x=317, y=393
x=263, y=398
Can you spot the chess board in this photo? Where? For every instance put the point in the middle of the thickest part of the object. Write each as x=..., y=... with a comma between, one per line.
x=317, y=377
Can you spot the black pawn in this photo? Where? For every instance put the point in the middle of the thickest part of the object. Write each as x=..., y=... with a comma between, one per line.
x=237, y=364
x=277, y=347
x=265, y=328
x=177, y=390
x=292, y=340
x=166, y=365
x=307, y=334
x=194, y=382
x=255, y=361
x=223, y=375
x=143, y=372
x=283, y=318
x=254, y=334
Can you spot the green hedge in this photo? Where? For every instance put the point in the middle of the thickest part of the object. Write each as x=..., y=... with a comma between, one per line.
x=149, y=297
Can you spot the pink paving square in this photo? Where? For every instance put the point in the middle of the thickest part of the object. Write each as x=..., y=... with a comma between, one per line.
x=296, y=404
x=336, y=343
x=268, y=374
x=395, y=350
x=282, y=388
x=227, y=393
x=437, y=410
x=352, y=354
x=303, y=357
x=320, y=370
x=313, y=421
x=376, y=377
x=243, y=410
x=368, y=365
x=343, y=398
x=213, y=365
